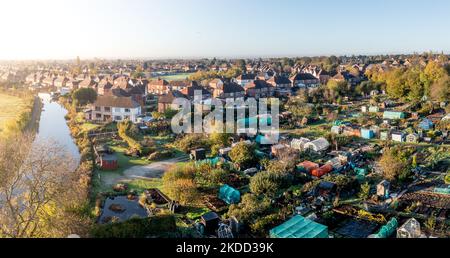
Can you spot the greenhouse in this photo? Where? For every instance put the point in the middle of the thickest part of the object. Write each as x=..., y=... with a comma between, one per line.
x=299, y=227
x=229, y=195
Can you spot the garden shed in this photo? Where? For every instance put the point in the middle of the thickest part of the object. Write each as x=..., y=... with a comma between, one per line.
x=426, y=124
x=229, y=194
x=307, y=166
x=393, y=115
x=299, y=227
x=367, y=133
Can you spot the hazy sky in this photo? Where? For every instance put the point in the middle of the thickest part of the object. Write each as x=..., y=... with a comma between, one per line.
x=48, y=29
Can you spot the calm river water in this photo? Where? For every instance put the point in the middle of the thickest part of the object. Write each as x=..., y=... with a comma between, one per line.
x=53, y=126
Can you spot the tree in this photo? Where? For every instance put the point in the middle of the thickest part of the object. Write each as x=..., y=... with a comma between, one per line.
x=265, y=183
x=179, y=183
x=126, y=132
x=243, y=155
x=250, y=208
x=84, y=96
x=440, y=89
x=365, y=191
x=40, y=194
x=394, y=163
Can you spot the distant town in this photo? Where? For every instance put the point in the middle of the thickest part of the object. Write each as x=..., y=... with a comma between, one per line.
x=363, y=148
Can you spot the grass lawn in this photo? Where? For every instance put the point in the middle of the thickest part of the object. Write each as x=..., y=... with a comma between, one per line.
x=139, y=185
x=10, y=109
x=126, y=162
x=175, y=77
x=88, y=127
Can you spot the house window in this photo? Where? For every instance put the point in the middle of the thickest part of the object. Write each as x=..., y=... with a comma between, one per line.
x=127, y=110
x=117, y=109
x=98, y=109
x=107, y=109
x=118, y=118
x=98, y=115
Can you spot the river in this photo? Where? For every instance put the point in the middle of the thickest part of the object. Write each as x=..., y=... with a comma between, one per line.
x=53, y=126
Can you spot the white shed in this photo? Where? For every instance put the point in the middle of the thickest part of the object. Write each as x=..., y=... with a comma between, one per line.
x=299, y=144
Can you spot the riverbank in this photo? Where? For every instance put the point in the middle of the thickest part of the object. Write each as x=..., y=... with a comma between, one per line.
x=19, y=112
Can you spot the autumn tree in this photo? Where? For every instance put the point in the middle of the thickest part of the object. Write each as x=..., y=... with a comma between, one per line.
x=179, y=183
x=394, y=164
x=243, y=154
x=40, y=193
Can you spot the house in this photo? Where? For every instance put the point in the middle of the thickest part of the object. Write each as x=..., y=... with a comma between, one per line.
x=393, y=115
x=88, y=82
x=158, y=87
x=216, y=84
x=178, y=84
x=282, y=85
x=304, y=80
x=245, y=79
x=426, y=124
x=112, y=108
x=398, y=136
x=383, y=189
x=367, y=133
x=193, y=89
x=318, y=145
x=412, y=138
x=104, y=86
x=228, y=90
x=259, y=89
x=299, y=227
x=229, y=194
x=165, y=101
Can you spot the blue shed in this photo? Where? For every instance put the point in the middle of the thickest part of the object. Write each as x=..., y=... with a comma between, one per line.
x=426, y=124
x=367, y=133
x=229, y=194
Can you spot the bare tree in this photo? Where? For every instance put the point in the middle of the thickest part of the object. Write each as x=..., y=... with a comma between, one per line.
x=38, y=189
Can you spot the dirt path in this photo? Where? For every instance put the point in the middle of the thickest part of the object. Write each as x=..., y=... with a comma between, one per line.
x=154, y=170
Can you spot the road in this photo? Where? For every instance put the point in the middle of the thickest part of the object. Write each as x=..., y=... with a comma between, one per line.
x=153, y=170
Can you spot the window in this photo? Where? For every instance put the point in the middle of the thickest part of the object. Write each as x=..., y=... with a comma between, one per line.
x=127, y=110
x=107, y=109
x=98, y=109
x=98, y=115
x=117, y=109
x=118, y=118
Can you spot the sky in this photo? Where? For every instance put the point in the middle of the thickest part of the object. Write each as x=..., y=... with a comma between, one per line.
x=64, y=29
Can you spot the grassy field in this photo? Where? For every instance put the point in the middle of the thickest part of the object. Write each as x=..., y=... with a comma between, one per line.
x=10, y=109
x=175, y=77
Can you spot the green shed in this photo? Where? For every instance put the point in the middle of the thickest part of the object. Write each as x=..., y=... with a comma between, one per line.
x=229, y=194
x=299, y=227
x=393, y=115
